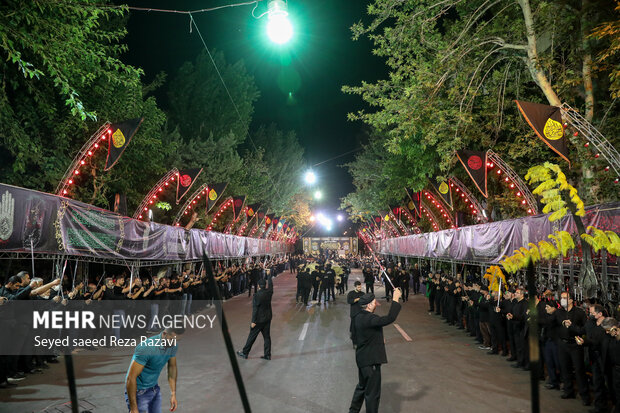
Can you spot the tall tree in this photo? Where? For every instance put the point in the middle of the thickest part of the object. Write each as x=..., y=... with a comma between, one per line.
x=455, y=66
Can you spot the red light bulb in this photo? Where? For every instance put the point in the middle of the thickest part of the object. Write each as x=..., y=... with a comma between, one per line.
x=76, y=172
x=597, y=155
x=70, y=181
x=585, y=145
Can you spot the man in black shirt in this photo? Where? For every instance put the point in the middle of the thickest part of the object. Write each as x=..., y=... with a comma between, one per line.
x=261, y=319
x=353, y=300
x=370, y=352
x=369, y=280
x=571, y=321
x=415, y=274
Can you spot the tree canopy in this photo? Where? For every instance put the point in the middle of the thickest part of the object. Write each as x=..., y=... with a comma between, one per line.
x=455, y=69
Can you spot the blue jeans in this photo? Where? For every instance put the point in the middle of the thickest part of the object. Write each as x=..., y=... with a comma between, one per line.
x=149, y=400
x=154, y=313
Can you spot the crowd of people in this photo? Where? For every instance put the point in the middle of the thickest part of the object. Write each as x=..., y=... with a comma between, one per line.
x=169, y=292
x=579, y=342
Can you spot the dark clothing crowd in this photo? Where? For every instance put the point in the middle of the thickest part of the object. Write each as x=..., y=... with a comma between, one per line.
x=579, y=345
x=168, y=293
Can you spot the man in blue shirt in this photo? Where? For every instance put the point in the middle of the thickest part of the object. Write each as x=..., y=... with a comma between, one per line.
x=142, y=392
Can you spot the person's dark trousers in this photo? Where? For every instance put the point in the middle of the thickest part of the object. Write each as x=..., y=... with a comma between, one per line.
x=459, y=314
x=315, y=291
x=4, y=371
x=406, y=292
x=305, y=293
x=510, y=330
x=519, y=346
x=552, y=359
x=431, y=303
x=437, y=304
x=598, y=382
x=331, y=290
x=416, y=287
x=370, y=288
x=500, y=330
x=389, y=291
x=323, y=294
x=265, y=330
x=252, y=283
x=571, y=357
x=615, y=388
x=477, y=327
x=368, y=389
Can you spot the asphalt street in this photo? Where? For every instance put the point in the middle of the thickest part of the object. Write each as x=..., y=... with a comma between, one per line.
x=439, y=369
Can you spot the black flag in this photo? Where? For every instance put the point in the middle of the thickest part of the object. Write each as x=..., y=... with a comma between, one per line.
x=475, y=164
x=120, y=135
x=214, y=194
x=186, y=179
x=416, y=201
x=238, y=202
x=443, y=189
x=547, y=123
x=252, y=210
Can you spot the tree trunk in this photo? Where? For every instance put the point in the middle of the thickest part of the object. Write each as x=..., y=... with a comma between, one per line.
x=532, y=56
x=586, y=73
x=587, y=278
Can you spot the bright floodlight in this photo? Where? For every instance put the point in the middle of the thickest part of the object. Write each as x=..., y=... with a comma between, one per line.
x=279, y=28
x=318, y=195
x=310, y=177
x=339, y=217
x=312, y=218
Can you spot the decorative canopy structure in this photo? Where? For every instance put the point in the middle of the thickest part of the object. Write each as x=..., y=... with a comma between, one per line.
x=523, y=191
x=151, y=197
x=469, y=198
x=86, y=151
x=191, y=203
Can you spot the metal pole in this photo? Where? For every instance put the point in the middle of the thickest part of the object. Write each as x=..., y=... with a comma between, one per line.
x=215, y=291
x=533, y=338
x=71, y=380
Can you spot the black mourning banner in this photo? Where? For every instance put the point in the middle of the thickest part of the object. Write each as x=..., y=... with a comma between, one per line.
x=119, y=138
x=376, y=219
x=238, y=202
x=214, y=194
x=269, y=220
x=275, y=223
x=547, y=123
x=416, y=201
x=443, y=189
x=252, y=211
x=475, y=164
x=187, y=177
x=395, y=211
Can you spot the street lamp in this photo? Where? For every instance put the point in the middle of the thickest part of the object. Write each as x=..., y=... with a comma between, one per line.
x=339, y=217
x=318, y=195
x=310, y=177
x=279, y=27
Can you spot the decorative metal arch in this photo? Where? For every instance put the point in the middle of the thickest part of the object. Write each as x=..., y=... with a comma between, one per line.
x=477, y=205
x=424, y=207
x=443, y=204
x=202, y=189
x=152, y=194
x=224, y=205
x=62, y=189
x=516, y=179
x=596, y=138
x=414, y=226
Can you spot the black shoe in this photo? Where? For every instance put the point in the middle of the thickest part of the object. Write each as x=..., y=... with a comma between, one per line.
x=492, y=352
x=511, y=359
x=552, y=386
x=266, y=357
x=567, y=396
x=53, y=360
x=7, y=385
x=18, y=376
x=242, y=354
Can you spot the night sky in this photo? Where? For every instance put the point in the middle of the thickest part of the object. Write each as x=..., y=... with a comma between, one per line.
x=299, y=83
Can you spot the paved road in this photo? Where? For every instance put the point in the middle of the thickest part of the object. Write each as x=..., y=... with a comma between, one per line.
x=312, y=369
